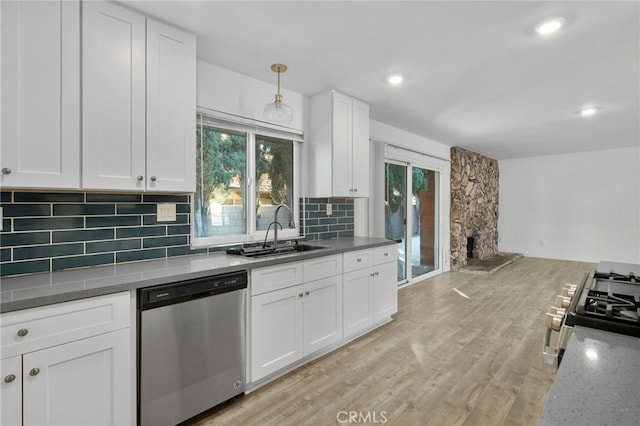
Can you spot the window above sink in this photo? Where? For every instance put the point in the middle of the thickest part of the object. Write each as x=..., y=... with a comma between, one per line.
x=243, y=173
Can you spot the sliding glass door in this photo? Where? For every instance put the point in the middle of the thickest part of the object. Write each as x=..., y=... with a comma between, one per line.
x=412, y=217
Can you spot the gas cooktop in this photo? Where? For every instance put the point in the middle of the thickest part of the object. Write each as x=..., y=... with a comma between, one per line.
x=609, y=300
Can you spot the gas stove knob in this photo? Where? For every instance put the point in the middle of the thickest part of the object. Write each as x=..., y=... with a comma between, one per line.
x=567, y=292
x=553, y=322
x=557, y=311
x=562, y=302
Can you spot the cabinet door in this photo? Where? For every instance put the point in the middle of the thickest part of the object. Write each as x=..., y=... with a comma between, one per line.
x=322, y=313
x=385, y=291
x=85, y=382
x=357, y=301
x=342, y=119
x=40, y=94
x=276, y=330
x=171, y=109
x=360, y=149
x=113, y=97
x=11, y=396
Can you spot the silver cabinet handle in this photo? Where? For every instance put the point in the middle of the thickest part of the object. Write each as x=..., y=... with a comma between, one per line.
x=153, y=178
x=10, y=378
x=355, y=190
x=300, y=294
x=34, y=371
x=307, y=292
x=23, y=332
x=371, y=274
x=6, y=171
x=386, y=254
x=358, y=260
x=140, y=178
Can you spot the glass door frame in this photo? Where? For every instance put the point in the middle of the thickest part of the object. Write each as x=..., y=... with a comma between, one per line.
x=411, y=159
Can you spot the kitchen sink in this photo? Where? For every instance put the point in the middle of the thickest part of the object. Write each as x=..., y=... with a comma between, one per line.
x=259, y=252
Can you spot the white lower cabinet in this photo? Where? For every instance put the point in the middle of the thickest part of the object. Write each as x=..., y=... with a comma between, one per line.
x=290, y=323
x=60, y=375
x=11, y=397
x=370, y=289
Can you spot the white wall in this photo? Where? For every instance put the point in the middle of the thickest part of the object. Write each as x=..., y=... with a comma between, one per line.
x=230, y=92
x=581, y=206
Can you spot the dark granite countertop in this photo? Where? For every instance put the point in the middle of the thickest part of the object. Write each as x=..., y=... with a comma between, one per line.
x=598, y=382
x=30, y=291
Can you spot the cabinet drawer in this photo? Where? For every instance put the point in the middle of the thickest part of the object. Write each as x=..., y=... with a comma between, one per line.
x=322, y=267
x=355, y=260
x=272, y=278
x=384, y=254
x=38, y=328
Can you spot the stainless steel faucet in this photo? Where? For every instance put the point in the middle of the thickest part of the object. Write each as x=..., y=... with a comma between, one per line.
x=292, y=224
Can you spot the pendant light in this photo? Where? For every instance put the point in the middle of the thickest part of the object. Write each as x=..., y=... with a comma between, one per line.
x=278, y=111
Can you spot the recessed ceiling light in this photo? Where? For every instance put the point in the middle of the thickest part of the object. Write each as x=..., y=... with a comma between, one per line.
x=550, y=26
x=588, y=111
x=395, y=79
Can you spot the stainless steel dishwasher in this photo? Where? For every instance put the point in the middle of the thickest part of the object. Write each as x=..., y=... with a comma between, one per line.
x=191, y=347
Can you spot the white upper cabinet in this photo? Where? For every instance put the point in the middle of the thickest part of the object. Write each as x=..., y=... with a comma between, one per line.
x=339, y=146
x=113, y=97
x=171, y=108
x=138, y=128
x=40, y=94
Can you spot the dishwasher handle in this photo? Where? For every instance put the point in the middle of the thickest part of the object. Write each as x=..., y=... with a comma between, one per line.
x=168, y=294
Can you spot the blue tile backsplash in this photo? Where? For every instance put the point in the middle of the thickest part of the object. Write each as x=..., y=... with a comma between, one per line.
x=51, y=231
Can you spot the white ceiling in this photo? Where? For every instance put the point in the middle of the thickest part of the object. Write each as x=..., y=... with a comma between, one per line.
x=476, y=76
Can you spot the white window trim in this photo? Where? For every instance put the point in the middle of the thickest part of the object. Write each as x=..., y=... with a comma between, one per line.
x=224, y=121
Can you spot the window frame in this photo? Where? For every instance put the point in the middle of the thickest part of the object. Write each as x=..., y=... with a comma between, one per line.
x=252, y=235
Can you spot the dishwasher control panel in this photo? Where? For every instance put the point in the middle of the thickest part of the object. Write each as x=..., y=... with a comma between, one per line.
x=177, y=292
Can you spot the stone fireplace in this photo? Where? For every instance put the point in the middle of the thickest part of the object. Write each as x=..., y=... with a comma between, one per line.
x=474, y=206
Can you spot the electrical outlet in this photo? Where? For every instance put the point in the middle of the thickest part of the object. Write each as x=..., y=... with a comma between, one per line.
x=166, y=212
x=329, y=209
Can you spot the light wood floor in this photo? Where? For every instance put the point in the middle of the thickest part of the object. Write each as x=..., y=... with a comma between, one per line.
x=444, y=360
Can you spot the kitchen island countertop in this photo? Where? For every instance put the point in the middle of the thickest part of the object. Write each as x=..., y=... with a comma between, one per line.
x=598, y=382
x=29, y=291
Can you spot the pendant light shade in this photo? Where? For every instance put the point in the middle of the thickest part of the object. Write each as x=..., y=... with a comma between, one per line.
x=278, y=111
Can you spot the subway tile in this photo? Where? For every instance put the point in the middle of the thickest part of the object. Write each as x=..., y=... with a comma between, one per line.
x=114, y=198
x=328, y=221
x=5, y=197
x=83, y=235
x=165, y=241
x=345, y=233
x=6, y=225
x=17, y=210
x=313, y=215
x=311, y=222
x=83, y=209
x=339, y=213
x=146, y=231
x=47, y=223
x=179, y=230
x=328, y=235
x=321, y=228
x=317, y=200
x=166, y=198
x=5, y=255
x=312, y=207
x=152, y=219
x=19, y=268
x=129, y=256
x=136, y=208
x=335, y=200
x=184, y=251
x=24, y=239
x=81, y=261
x=183, y=208
x=116, y=245
x=54, y=197
x=337, y=227
x=108, y=221
x=345, y=219
x=56, y=250
x=349, y=207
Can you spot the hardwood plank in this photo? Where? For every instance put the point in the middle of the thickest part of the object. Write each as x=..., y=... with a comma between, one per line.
x=444, y=360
